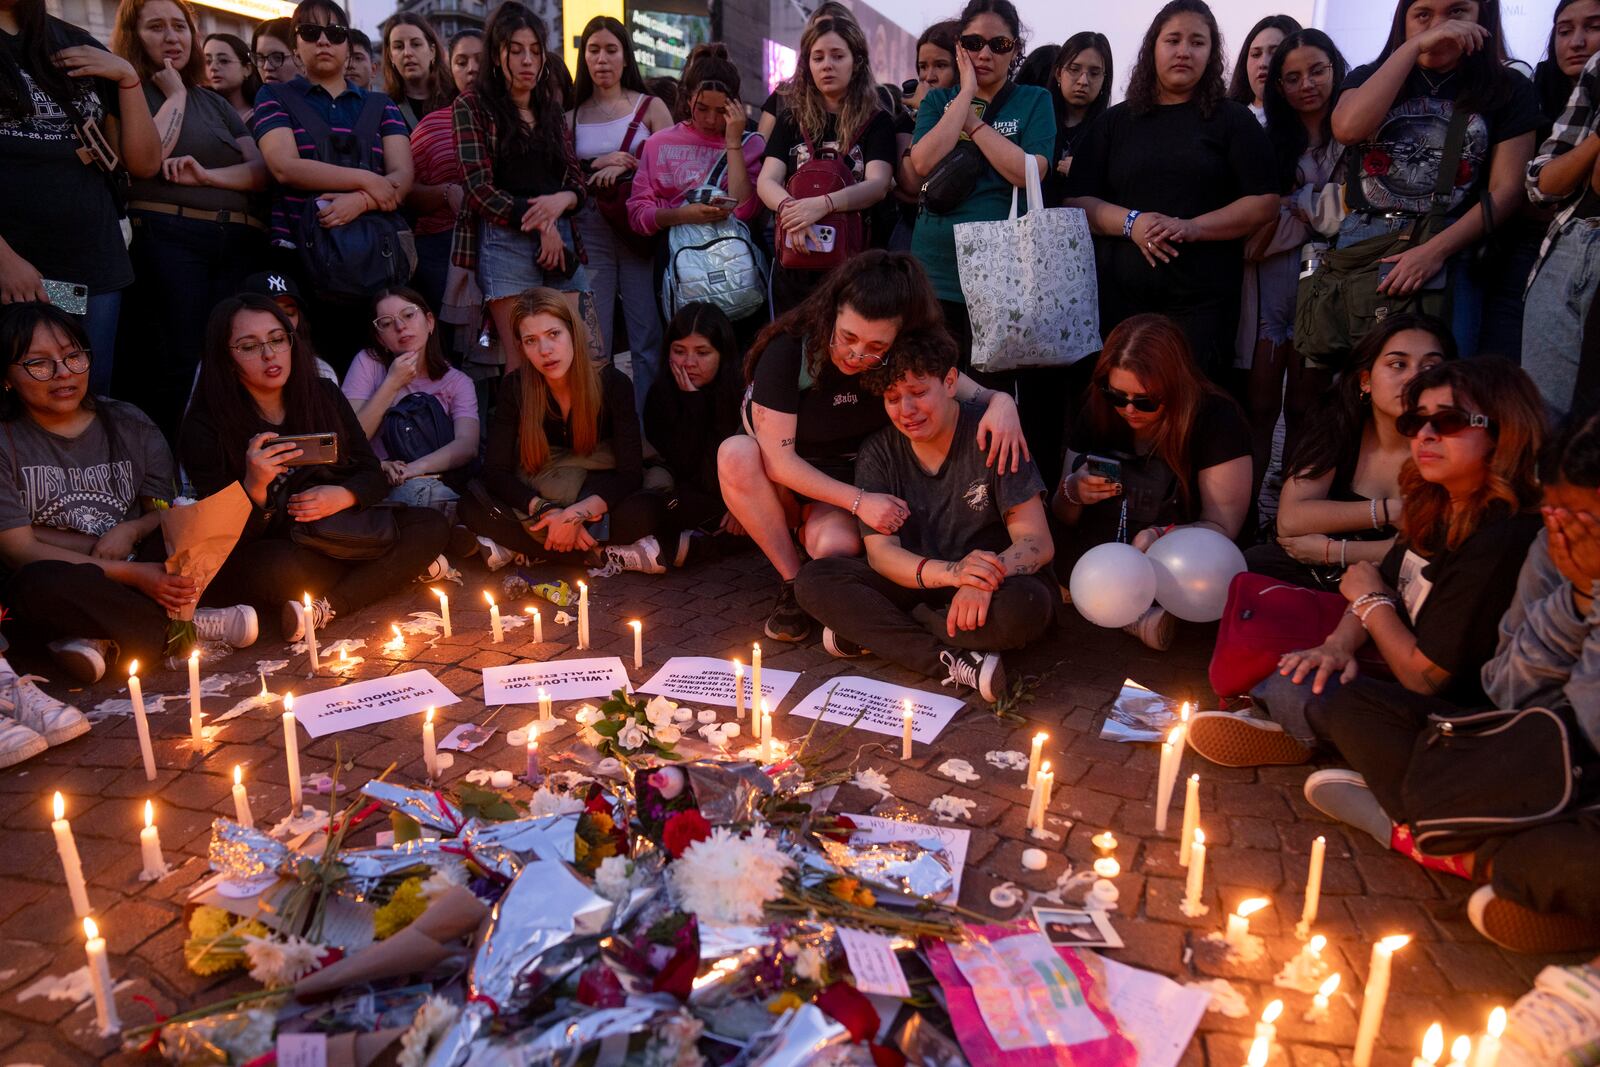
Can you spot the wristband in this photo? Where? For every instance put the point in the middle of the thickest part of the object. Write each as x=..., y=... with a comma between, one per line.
x=827, y=198
x=1066, y=492
x=1127, y=223
x=854, y=507
x=136, y=83
x=921, y=564
x=1374, y=509
x=1374, y=606
x=1343, y=563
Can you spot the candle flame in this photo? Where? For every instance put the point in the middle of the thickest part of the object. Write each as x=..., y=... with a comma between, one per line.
x=1270, y=1015
x=1040, y=738
x=1199, y=837
x=756, y=648
x=194, y=656
x=1497, y=1022
x=438, y=593
x=1318, y=943
x=344, y=654
x=635, y=624
x=1173, y=734
x=541, y=693
x=1433, y=1044
x=1183, y=712
x=133, y=669
x=1331, y=983
x=1395, y=942
x=1044, y=768
x=1460, y=1049
x=306, y=599
x=60, y=806
x=531, y=611
x=533, y=743
x=1258, y=1053
x=288, y=703
x=489, y=598
x=583, y=585
x=149, y=814
x=765, y=708
x=1195, y=778
x=430, y=715
x=1250, y=907
x=90, y=930
x=238, y=775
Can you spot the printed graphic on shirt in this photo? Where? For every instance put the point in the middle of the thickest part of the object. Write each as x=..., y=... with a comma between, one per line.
x=89, y=499
x=1401, y=163
x=977, y=495
x=1414, y=588
x=686, y=166
x=50, y=121
x=800, y=155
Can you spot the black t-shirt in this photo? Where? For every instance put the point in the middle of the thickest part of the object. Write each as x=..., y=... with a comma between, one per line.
x=874, y=143
x=833, y=413
x=1454, y=601
x=539, y=169
x=59, y=213
x=1176, y=161
x=686, y=428
x=1401, y=160
x=616, y=424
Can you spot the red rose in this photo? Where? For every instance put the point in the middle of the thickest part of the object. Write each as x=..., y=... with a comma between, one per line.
x=599, y=987
x=848, y=1006
x=1376, y=162
x=683, y=829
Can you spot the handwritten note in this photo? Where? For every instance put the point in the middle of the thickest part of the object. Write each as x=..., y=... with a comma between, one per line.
x=1026, y=993
x=302, y=1050
x=880, y=705
x=707, y=680
x=873, y=963
x=375, y=700
x=563, y=679
x=1157, y=1014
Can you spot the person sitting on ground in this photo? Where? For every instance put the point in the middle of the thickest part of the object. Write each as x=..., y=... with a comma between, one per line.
x=1156, y=446
x=563, y=471
x=790, y=475
x=420, y=413
x=1342, y=499
x=82, y=480
x=257, y=384
x=1431, y=607
x=959, y=581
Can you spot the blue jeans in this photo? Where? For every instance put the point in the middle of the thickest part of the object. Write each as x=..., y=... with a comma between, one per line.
x=426, y=492
x=615, y=271
x=1466, y=298
x=1284, y=702
x=1555, y=309
x=100, y=323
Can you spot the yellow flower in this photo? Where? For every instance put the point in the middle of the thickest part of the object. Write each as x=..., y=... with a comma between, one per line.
x=851, y=891
x=210, y=923
x=403, y=909
x=783, y=1002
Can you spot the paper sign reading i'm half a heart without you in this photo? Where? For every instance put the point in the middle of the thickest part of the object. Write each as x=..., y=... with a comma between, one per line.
x=375, y=700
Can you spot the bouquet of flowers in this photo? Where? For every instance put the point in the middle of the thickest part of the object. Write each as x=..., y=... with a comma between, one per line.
x=199, y=537
x=624, y=729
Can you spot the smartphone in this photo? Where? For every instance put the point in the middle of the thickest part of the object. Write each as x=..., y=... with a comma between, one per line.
x=1435, y=282
x=71, y=297
x=1104, y=467
x=316, y=449
x=727, y=203
x=825, y=237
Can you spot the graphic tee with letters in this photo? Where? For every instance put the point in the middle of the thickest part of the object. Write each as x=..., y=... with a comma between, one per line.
x=833, y=413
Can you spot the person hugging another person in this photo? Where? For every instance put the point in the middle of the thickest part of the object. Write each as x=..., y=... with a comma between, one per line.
x=959, y=581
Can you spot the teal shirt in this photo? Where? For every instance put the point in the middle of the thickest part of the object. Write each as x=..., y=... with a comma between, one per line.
x=1027, y=119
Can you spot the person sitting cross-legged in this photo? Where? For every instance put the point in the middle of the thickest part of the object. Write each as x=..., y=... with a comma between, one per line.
x=958, y=582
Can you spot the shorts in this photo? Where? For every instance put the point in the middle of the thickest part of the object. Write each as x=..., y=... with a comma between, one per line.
x=508, y=263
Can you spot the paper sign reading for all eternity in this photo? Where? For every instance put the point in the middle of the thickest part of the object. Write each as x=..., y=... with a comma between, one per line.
x=350, y=707
x=880, y=705
x=708, y=680
x=561, y=679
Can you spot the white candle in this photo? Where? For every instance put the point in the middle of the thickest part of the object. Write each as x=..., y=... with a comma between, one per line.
x=70, y=863
x=1374, y=997
x=757, y=694
x=1432, y=1047
x=638, y=643
x=444, y=609
x=546, y=713
x=905, y=738
x=105, y=1004
x=1197, y=873
x=766, y=733
x=532, y=771
x=496, y=633
x=1171, y=757
x=141, y=722
x=1046, y=790
x=1034, y=755
x=1267, y=1028
x=291, y=749
x=150, y=844
x=241, y=801
x=1104, y=842
x=1259, y=1050
x=583, y=614
x=1319, y=1002
x=1191, y=818
x=1036, y=806
x=1488, y=1054
x=311, y=632
x=1239, y=921
x=738, y=689
x=763, y=719
x=430, y=751
x=196, y=733
x=1460, y=1051
x=1308, y=914
x=538, y=625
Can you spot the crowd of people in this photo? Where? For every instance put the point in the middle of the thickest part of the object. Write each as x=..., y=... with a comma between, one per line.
x=380, y=285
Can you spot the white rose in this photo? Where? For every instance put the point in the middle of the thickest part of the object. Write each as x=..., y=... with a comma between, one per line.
x=668, y=735
x=631, y=737
x=659, y=711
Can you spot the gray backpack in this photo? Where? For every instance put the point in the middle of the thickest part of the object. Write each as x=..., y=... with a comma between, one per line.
x=714, y=262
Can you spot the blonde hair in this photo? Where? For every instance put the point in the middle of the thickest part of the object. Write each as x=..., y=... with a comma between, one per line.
x=533, y=448
x=860, y=96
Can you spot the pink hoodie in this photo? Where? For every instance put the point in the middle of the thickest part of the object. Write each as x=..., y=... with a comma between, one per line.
x=678, y=159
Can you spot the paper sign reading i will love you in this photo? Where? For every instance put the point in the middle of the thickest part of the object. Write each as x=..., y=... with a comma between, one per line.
x=373, y=701
x=707, y=680
x=562, y=679
x=880, y=705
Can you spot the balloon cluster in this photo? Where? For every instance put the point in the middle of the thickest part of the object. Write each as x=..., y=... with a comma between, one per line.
x=1187, y=572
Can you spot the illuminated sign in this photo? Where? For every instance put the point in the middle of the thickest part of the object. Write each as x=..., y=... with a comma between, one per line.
x=662, y=40
x=777, y=63
x=253, y=9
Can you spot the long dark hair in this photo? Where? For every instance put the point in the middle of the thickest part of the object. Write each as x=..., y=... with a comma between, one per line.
x=17, y=325
x=1239, y=88
x=941, y=35
x=1007, y=12
x=434, y=363
x=40, y=40
x=1284, y=128
x=307, y=405
x=1333, y=431
x=878, y=285
x=709, y=322
x=495, y=96
x=241, y=51
x=279, y=29
x=1573, y=458
x=632, y=78
x=441, y=86
x=1075, y=46
x=1484, y=77
x=1035, y=70
x=1549, y=83
x=1143, y=88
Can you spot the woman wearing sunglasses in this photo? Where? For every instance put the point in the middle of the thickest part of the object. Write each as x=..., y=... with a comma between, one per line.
x=1013, y=126
x=1431, y=608
x=1156, y=446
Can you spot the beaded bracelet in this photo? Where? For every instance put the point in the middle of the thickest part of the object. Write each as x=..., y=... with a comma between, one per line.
x=1375, y=605
x=1374, y=509
x=857, y=504
x=1066, y=492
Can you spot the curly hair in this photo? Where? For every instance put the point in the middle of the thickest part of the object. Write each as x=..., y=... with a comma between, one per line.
x=1143, y=89
x=805, y=100
x=925, y=353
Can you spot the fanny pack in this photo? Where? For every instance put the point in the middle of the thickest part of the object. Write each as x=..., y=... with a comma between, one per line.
x=955, y=176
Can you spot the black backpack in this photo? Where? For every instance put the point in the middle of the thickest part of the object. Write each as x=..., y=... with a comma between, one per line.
x=415, y=426
x=374, y=251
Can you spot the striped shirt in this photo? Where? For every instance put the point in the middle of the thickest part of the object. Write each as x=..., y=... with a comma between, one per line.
x=433, y=158
x=341, y=114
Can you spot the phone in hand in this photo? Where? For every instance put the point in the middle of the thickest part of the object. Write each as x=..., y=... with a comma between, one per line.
x=825, y=236
x=316, y=449
x=1104, y=467
x=71, y=297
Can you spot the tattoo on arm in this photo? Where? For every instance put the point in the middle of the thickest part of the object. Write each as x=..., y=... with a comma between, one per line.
x=1022, y=557
x=787, y=442
x=169, y=137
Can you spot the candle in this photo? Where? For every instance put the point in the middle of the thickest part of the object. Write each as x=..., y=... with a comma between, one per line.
x=1197, y=873
x=70, y=863
x=1034, y=755
x=583, y=614
x=532, y=772
x=105, y=1005
x=1489, y=1045
x=398, y=642
x=136, y=694
x=150, y=845
x=1191, y=818
x=196, y=734
x=1048, y=787
x=638, y=643
x=757, y=694
x=538, y=625
x=1432, y=1047
x=1041, y=800
x=738, y=689
x=905, y=738
x=1239, y=921
x=291, y=749
x=1374, y=998
x=1171, y=757
x=1319, y=1002
x=1105, y=842
x=430, y=751
x=1308, y=914
x=1267, y=1028
x=311, y=631
x=1259, y=1048
x=241, y=801
x=1460, y=1050
x=444, y=608
x=766, y=733
x=545, y=711
x=497, y=634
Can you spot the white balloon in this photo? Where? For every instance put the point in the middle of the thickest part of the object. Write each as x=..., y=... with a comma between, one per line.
x=1113, y=584
x=1193, y=568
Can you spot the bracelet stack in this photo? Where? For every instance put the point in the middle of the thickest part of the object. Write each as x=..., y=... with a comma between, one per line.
x=1371, y=602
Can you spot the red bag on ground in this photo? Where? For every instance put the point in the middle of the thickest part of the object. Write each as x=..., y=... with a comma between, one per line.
x=1267, y=617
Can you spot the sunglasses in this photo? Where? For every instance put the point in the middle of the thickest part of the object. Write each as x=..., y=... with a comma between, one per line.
x=312, y=32
x=1142, y=402
x=1000, y=46
x=1446, y=422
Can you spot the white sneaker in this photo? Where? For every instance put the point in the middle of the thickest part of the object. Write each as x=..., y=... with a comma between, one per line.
x=22, y=701
x=82, y=658
x=1557, y=1021
x=495, y=554
x=236, y=627
x=981, y=671
x=643, y=556
x=1155, y=628
x=18, y=743
x=294, y=617
x=440, y=571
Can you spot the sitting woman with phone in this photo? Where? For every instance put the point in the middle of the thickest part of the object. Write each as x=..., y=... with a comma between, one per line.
x=1156, y=447
x=263, y=417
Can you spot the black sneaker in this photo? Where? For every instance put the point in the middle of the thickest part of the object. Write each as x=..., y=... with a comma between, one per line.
x=788, y=622
x=693, y=547
x=981, y=671
x=840, y=647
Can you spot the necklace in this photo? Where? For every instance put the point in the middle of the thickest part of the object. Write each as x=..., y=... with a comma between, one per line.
x=1435, y=86
x=609, y=116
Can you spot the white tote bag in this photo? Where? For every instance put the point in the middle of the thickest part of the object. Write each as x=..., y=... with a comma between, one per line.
x=1030, y=285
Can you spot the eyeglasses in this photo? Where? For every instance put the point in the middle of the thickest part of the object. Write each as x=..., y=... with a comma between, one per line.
x=861, y=359
x=1000, y=46
x=1318, y=73
x=44, y=368
x=312, y=32
x=1446, y=422
x=1139, y=402
x=407, y=316
x=271, y=60
x=251, y=348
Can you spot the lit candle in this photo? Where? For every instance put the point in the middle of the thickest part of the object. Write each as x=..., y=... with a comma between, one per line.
x=1432, y=1047
x=241, y=801
x=638, y=643
x=583, y=614
x=150, y=844
x=532, y=773
x=905, y=738
x=766, y=733
x=1197, y=873
x=497, y=634
x=1374, y=997
x=1035, y=754
x=546, y=713
x=763, y=720
x=1171, y=757
x=291, y=749
x=1488, y=1054
x=70, y=863
x=1037, y=805
x=1107, y=867
x=311, y=631
x=757, y=694
x=1239, y=921
x=141, y=722
x=1267, y=1028
x=538, y=625
x=1105, y=842
x=1319, y=1002
x=1308, y=914
x=1259, y=1049
x=1191, y=818
x=1048, y=787
x=105, y=1004
x=444, y=609
x=430, y=751
x=738, y=689
x=398, y=642
x=196, y=733
x=1460, y=1051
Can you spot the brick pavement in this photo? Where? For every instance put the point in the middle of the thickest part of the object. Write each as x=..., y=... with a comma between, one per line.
x=1259, y=828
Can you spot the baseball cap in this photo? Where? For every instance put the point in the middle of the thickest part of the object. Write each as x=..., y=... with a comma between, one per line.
x=274, y=284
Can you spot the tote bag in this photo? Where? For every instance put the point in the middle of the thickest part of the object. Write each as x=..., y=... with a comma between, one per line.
x=1030, y=285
